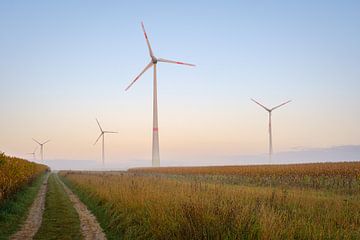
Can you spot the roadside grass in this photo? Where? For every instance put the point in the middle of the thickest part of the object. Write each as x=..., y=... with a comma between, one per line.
x=60, y=219
x=152, y=207
x=101, y=210
x=13, y=211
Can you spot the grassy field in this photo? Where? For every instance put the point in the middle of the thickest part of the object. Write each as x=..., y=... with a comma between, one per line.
x=60, y=219
x=13, y=211
x=164, y=204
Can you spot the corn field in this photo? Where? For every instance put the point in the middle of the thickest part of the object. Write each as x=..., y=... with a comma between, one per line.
x=16, y=173
x=340, y=177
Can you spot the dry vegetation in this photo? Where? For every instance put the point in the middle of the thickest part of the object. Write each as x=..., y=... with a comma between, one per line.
x=15, y=173
x=149, y=206
x=340, y=177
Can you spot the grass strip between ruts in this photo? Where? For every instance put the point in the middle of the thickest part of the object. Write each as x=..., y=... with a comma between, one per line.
x=60, y=219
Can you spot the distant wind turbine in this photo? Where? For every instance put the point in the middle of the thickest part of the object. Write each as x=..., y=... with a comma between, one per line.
x=41, y=148
x=33, y=153
x=153, y=63
x=269, y=110
x=102, y=134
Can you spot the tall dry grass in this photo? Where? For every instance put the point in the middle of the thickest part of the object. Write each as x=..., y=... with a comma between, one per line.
x=155, y=207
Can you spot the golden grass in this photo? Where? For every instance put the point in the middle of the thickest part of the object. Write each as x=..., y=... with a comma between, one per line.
x=155, y=207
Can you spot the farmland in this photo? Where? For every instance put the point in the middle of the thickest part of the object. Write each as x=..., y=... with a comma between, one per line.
x=301, y=201
x=307, y=201
x=16, y=173
x=20, y=181
x=337, y=177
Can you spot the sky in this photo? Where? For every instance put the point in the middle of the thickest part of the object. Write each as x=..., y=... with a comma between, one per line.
x=65, y=63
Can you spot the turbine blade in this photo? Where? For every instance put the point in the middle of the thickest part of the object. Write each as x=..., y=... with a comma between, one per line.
x=46, y=142
x=147, y=40
x=138, y=76
x=175, y=62
x=99, y=125
x=260, y=105
x=280, y=105
x=99, y=137
x=109, y=132
x=36, y=141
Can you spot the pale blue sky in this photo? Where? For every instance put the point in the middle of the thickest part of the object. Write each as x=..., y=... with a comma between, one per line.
x=63, y=63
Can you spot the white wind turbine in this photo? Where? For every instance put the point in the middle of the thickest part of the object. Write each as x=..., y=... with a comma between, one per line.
x=33, y=153
x=41, y=148
x=102, y=134
x=269, y=110
x=153, y=62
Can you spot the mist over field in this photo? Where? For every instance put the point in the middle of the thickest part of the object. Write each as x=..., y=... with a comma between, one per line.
x=331, y=154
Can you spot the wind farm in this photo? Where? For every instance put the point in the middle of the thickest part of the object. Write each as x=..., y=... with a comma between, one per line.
x=259, y=139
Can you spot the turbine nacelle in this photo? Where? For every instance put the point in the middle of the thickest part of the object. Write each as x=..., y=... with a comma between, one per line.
x=154, y=60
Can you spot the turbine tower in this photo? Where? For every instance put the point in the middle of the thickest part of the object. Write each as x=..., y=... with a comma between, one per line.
x=41, y=148
x=153, y=63
x=102, y=134
x=269, y=110
x=33, y=153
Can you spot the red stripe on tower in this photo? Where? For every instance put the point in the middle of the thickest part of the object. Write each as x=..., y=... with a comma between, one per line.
x=155, y=129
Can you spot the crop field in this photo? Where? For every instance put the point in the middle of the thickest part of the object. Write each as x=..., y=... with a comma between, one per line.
x=204, y=203
x=16, y=173
x=339, y=177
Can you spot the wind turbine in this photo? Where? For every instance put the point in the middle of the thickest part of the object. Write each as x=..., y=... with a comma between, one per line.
x=269, y=110
x=153, y=62
x=102, y=134
x=41, y=148
x=33, y=153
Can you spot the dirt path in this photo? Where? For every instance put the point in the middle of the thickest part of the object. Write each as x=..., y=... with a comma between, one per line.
x=90, y=228
x=34, y=219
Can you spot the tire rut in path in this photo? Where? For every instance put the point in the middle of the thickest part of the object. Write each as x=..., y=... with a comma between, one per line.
x=34, y=218
x=90, y=228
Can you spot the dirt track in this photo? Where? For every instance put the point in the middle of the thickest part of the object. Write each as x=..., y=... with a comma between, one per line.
x=34, y=219
x=90, y=228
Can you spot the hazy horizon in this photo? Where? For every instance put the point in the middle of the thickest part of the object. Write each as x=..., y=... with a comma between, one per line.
x=349, y=153
x=63, y=64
